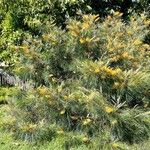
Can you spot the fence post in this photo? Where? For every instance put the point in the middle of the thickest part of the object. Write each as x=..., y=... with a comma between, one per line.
x=1, y=77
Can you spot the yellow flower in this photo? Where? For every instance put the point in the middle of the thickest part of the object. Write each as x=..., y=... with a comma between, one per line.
x=74, y=33
x=87, y=121
x=85, y=140
x=107, y=70
x=74, y=117
x=147, y=22
x=95, y=16
x=32, y=127
x=54, y=80
x=117, y=14
x=125, y=54
x=116, y=85
x=85, y=25
x=88, y=40
x=143, y=16
x=132, y=19
x=129, y=32
x=111, y=49
x=46, y=37
x=137, y=42
x=82, y=40
x=29, y=127
x=26, y=50
x=114, y=122
x=109, y=109
x=109, y=17
x=62, y=112
x=65, y=97
x=59, y=89
x=85, y=40
x=43, y=91
x=146, y=113
x=115, y=58
x=85, y=17
x=110, y=72
x=60, y=131
x=120, y=46
x=96, y=39
x=146, y=46
x=73, y=1
x=115, y=145
x=118, y=71
x=97, y=70
x=91, y=96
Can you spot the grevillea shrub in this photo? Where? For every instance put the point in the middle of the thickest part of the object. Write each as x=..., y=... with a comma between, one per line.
x=28, y=17
x=91, y=83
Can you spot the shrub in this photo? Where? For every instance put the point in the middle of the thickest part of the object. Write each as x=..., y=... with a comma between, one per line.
x=91, y=79
x=28, y=17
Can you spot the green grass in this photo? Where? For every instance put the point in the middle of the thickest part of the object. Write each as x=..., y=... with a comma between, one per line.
x=8, y=143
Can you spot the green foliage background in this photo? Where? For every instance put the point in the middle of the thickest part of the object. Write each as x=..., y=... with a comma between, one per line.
x=91, y=75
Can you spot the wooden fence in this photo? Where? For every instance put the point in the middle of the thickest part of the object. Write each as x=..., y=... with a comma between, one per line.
x=6, y=79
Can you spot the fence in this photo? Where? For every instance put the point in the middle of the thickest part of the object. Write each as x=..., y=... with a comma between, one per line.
x=6, y=79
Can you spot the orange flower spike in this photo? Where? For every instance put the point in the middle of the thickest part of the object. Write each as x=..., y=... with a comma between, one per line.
x=85, y=26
